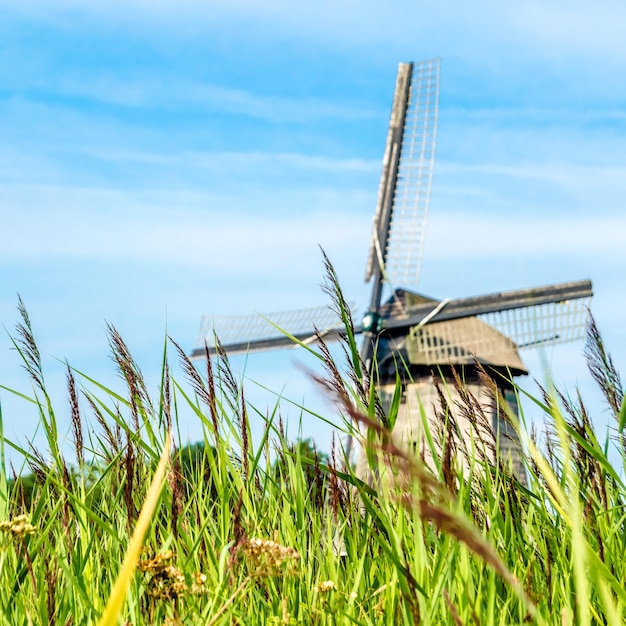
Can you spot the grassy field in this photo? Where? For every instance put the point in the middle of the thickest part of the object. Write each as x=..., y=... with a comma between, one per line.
x=140, y=531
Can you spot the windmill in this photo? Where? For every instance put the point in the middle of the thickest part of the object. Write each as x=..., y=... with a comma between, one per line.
x=419, y=338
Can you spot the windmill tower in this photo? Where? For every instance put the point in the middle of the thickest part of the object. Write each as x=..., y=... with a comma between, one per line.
x=423, y=341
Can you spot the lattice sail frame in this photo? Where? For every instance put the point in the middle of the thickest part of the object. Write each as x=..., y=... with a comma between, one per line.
x=545, y=324
x=245, y=331
x=526, y=327
x=400, y=246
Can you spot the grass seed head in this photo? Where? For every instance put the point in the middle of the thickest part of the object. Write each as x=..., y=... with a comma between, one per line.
x=166, y=581
x=18, y=527
x=267, y=557
x=325, y=586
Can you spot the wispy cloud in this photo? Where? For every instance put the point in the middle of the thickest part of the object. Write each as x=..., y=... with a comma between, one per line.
x=543, y=30
x=171, y=92
x=254, y=162
x=119, y=226
x=463, y=235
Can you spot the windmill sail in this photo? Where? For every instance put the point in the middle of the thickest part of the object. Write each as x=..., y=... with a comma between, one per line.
x=494, y=338
x=528, y=318
x=545, y=324
x=251, y=333
x=399, y=223
x=414, y=314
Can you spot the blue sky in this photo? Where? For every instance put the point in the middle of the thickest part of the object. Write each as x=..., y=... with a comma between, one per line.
x=163, y=160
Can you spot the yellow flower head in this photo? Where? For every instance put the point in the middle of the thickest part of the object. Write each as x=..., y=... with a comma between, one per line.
x=19, y=526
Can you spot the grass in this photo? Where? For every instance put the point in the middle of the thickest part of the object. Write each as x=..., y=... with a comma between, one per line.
x=268, y=532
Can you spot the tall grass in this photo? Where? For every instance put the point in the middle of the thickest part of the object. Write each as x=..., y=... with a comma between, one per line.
x=268, y=532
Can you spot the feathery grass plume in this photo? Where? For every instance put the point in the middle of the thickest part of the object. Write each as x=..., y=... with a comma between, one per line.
x=279, y=443
x=603, y=370
x=197, y=384
x=552, y=443
x=333, y=377
x=175, y=480
x=66, y=509
x=19, y=490
x=31, y=359
x=281, y=426
x=474, y=412
x=210, y=379
x=500, y=408
x=77, y=427
x=332, y=288
x=131, y=374
x=129, y=482
x=448, y=456
x=37, y=464
x=447, y=435
x=530, y=460
x=358, y=373
x=488, y=382
x=552, y=456
x=113, y=439
x=589, y=470
x=51, y=579
x=226, y=377
x=167, y=398
x=238, y=535
x=245, y=444
x=28, y=348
